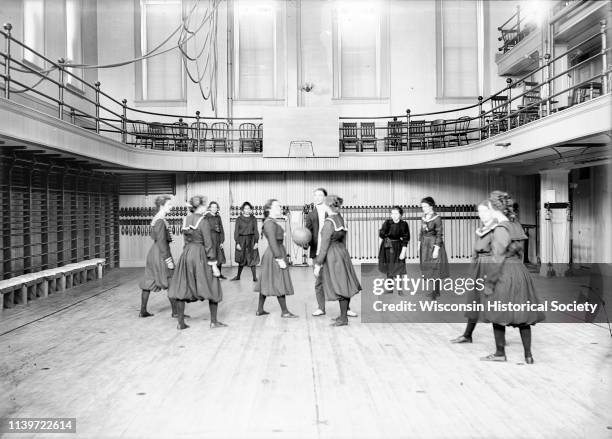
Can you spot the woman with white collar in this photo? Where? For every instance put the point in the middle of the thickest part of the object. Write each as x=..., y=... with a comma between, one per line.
x=434, y=262
x=333, y=263
x=507, y=280
x=274, y=279
x=197, y=276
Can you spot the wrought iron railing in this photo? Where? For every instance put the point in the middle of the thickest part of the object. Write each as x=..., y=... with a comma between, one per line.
x=504, y=110
x=524, y=100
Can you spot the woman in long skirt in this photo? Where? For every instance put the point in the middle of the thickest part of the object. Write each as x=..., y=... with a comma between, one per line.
x=434, y=262
x=197, y=276
x=217, y=233
x=274, y=279
x=480, y=256
x=395, y=236
x=333, y=263
x=246, y=237
x=507, y=279
x=159, y=264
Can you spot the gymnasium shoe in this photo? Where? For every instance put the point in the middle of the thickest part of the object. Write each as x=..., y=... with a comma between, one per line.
x=340, y=322
x=350, y=313
x=318, y=313
x=493, y=357
x=145, y=314
x=529, y=360
x=235, y=278
x=214, y=325
x=462, y=339
x=261, y=313
x=288, y=315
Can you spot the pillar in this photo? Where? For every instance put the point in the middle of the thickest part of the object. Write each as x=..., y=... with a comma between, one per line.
x=554, y=224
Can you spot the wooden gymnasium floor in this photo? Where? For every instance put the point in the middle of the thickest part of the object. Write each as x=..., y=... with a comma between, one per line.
x=86, y=355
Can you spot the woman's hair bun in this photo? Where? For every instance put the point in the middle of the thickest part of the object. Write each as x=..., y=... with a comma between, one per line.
x=334, y=201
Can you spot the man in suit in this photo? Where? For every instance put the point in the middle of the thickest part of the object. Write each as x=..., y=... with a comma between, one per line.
x=314, y=222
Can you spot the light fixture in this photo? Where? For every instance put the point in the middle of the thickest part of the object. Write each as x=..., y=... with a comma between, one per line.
x=307, y=87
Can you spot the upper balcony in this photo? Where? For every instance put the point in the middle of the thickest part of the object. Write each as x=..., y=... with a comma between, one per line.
x=525, y=116
x=539, y=28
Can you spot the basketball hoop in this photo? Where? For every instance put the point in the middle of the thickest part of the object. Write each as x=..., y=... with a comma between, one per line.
x=300, y=149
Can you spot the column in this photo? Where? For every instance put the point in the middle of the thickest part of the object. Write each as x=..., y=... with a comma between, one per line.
x=554, y=224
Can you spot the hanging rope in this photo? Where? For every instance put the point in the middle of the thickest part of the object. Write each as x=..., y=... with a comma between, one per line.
x=208, y=72
x=186, y=35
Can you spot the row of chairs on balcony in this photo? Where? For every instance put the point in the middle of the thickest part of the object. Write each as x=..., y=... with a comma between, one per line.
x=422, y=134
x=198, y=136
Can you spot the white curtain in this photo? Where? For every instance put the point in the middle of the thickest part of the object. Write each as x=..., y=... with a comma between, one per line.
x=34, y=30
x=74, y=39
x=163, y=78
x=256, y=49
x=358, y=30
x=459, y=47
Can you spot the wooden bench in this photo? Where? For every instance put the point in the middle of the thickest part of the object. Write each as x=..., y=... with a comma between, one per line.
x=20, y=290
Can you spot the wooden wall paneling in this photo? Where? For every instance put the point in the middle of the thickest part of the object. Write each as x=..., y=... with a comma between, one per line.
x=7, y=223
x=44, y=219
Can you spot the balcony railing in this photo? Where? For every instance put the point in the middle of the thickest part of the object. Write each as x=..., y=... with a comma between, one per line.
x=522, y=101
x=514, y=30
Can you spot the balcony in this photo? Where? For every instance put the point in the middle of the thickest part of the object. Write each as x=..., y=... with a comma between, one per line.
x=524, y=116
x=574, y=19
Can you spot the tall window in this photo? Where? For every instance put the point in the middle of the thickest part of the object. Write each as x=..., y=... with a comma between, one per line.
x=259, y=49
x=74, y=40
x=34, y=30
x=360, y=49
x=457, y=48
x=162, y=76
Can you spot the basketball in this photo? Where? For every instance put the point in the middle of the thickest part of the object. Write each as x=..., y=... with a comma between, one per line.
x=301, y=236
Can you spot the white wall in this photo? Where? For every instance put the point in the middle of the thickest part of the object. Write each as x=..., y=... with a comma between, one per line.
x=412, y=60
x=11, y=11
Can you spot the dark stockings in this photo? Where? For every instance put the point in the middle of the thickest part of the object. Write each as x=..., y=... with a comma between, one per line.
x=262, y=300
x=344, y=307
x=254, y=272
x=213, y=306
x=180, y=307
x=144, y=299
x=282, y=301
x=526, y=339
x=499, y=332
x=469, y=328
x=173, y=306
x=240, y=267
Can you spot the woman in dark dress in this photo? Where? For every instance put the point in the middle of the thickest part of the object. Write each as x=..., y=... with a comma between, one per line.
x=274, y=279
x=197, y=276
x=333, y=263
x=481, y=254
x=434, y=262
x=395, y=236
x=246, y=237
x=507, y=279
x=159, y=265
x=217, y=233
